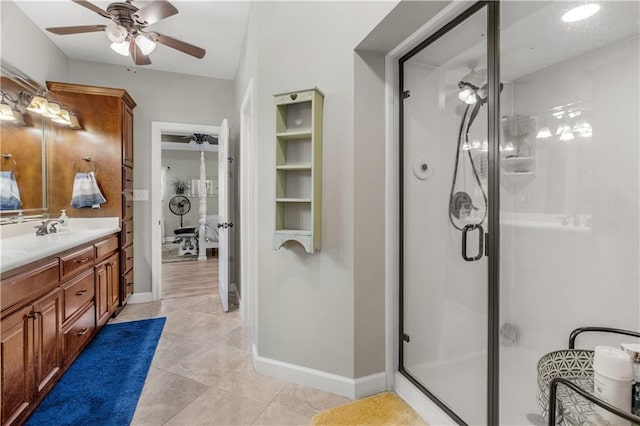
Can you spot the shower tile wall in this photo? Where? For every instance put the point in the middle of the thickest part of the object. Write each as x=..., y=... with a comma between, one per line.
x=570, y=232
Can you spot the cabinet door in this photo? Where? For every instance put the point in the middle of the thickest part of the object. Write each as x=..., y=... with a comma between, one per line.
x=102, y=293
x=113, y=280
x=47, y=314
x=15, y=358
x=127, y=136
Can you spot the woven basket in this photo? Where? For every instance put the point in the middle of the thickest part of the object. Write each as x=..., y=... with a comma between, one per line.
x=575, y=365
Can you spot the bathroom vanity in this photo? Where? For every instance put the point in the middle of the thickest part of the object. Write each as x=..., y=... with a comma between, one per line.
x=56, y=291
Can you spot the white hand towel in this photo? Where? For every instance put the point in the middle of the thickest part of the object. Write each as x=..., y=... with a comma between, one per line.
x=9, y=192
x=86, y=192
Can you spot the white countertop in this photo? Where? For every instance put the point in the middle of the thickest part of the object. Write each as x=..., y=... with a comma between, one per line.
x=19, y=244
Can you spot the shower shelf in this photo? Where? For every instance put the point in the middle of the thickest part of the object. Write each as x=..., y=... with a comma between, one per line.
x=510, y=166
x=298, y=194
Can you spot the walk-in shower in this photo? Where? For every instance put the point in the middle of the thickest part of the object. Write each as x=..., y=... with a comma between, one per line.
x=527, y=224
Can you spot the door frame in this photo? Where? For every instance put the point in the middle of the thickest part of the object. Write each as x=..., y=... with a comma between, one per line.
x=248, y=208
x=157, y=129
x=429, y=407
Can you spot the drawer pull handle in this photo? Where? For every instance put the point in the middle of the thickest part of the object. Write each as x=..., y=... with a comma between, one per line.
x=130, y=257
x=129, y=284
x=83, y=331
x=81, y=292
x=81, y=260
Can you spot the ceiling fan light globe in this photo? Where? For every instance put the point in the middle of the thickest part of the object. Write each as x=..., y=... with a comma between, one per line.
x=116, y=33
x=145, y=44
x=121, y=48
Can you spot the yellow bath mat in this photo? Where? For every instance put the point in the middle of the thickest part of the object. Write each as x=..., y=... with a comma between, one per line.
x=383, y=409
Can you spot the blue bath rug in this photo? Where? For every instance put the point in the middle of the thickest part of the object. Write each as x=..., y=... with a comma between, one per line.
x=103, y=385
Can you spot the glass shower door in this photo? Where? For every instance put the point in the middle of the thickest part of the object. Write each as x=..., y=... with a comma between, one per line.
x=444, y=212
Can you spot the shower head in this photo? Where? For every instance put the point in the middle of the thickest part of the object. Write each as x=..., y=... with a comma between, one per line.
x=471, y=94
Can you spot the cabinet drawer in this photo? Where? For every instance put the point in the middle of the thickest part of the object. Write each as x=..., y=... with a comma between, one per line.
x=127, y=205
x=127, y=281
x=106, y=247
x=28, y=284
x=76, y=262
x=126, y=261
x=127, y=232
x=77, y=293
x=78, y=333
x=127, y=178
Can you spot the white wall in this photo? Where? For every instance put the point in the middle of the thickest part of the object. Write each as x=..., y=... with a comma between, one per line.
x=306, y=302
x=26, y=47
x=161, y=96
x=186, y=165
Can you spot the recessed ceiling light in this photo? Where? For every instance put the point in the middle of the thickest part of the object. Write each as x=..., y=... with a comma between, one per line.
x=581, y=12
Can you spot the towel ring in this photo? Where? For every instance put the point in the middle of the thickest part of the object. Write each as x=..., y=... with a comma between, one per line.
x=14, y=164
x=88, y=160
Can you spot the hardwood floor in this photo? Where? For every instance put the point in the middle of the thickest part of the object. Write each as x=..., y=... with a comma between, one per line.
x=184, y=279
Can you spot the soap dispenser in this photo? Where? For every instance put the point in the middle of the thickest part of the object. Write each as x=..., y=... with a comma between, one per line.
x=64, y=219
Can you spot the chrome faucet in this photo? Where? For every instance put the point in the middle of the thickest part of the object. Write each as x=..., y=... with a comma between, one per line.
x=47, y=227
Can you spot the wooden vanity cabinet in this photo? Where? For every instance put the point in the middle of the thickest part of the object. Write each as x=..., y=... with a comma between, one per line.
x=106, y=117
x=50, y=310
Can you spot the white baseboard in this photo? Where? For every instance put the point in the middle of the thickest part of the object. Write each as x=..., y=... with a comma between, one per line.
x=140, y=298
x=430, y=412
x=317, y=379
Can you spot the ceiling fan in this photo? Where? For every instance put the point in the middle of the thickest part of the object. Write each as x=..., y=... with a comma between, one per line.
x=127, y=31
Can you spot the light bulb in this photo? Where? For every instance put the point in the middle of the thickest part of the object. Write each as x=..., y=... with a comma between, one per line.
x=472, y=99
x=53, y=109
x=121, y=48
x=476, y=144
x=567, y=136
x=63, y=117
x=116, y=33
x=6, y=114
x=146, y=46
x=38, y=105
x=583, y=129
x=563, y=128
x=544, y=133
x=465, y=93
x=581, y=12
x=466, y=146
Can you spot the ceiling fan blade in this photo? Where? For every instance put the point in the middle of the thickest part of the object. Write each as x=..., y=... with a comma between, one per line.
x=155, y=12
x=76, y=29
x=136, y=54
x=93, y=8
x=182, y=46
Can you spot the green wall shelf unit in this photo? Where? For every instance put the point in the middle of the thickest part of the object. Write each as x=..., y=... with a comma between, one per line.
x=298, y=198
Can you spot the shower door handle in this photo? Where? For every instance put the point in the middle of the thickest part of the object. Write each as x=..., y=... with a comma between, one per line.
x=465, y=231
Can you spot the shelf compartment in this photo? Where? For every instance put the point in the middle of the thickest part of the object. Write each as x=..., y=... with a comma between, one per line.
x=295, y=216
x=294, y=117
x=293, y=184
x=293, y=152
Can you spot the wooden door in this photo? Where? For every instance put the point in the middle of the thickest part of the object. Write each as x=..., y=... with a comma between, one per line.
x=113, y=281
x=15, y=360
x=102, y=294
x=47, y=315
x=127, y=135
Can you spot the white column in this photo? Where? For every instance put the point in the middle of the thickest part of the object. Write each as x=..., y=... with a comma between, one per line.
x=202, y=193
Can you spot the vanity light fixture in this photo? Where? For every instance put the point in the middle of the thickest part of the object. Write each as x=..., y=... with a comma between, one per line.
x=567, y=135
x=38, y=105
x=63, y=117
x=6, y=113
x=53, y=110
x=544, y=133
x=73, y=121
x=583, y=129
x=581, y=12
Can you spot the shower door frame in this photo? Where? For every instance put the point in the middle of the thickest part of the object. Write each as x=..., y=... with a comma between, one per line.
x=493, y=193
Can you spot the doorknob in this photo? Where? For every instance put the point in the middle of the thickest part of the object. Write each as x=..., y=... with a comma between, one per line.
x=230, y=224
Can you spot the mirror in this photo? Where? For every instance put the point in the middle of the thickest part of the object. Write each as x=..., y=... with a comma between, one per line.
x=23, y=150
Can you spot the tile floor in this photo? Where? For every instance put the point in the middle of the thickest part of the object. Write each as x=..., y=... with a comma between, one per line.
x=202, y=372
